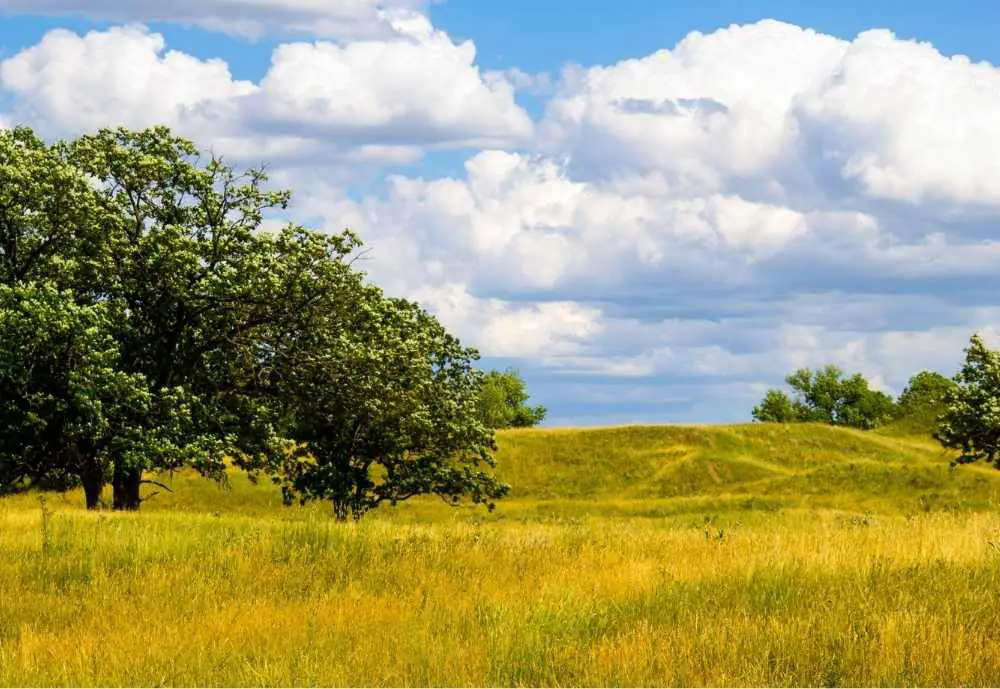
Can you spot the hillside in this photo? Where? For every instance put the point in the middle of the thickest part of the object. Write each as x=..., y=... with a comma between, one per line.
x=748, y=466
x=674, y=470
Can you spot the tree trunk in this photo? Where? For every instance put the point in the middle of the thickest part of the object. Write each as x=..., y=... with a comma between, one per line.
x=340, y=509
x=93, y=484
x=126, y=484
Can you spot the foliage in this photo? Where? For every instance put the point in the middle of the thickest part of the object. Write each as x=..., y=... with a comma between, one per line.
x=382, y=401
x=825, y=396
x=64, y=404
x=49, y=216
x=503, y=401
x=169, y=332
x=776, y=407
x=925, y=389
x=971, y=421
x=195, y=285
x=922, y=402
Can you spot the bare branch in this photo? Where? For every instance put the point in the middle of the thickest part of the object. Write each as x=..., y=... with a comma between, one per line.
x=155, y=492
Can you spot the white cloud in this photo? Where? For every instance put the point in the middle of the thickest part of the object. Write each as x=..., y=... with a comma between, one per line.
x=519, y=222
x=422, y=88
x=907, y=123
x=346, y=19
x=714, y=106
x=369, y=101
x=119, y=75
x=762, y=168
x=502, y=329
x=772, y=101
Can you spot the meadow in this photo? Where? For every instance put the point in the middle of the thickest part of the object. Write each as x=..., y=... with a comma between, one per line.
x=738, y=555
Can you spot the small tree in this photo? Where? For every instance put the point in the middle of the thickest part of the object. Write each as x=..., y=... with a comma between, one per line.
x=776, y=407
x=503, y=401
x=858, y=406
x=925, y=389
x=971, y=421
x=923, y=401
x=382, y=403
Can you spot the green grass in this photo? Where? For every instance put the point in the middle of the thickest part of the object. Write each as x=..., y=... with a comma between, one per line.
x=794, y=466
x=738, y=555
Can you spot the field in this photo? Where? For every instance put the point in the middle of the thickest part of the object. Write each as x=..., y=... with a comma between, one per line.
x=740, y=555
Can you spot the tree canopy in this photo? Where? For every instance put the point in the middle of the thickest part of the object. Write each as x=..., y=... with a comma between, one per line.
x=503, y=401
x=971, y=420
x=922, y=402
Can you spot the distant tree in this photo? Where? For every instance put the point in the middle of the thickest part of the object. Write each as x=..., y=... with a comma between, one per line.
x=825, y=396
x=925, y=389
x=503, y=401
x=861, y=407
x=971, y=420
x=923, y=401
x=776, y=407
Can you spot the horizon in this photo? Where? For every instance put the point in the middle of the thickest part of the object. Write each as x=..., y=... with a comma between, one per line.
x=654, y=213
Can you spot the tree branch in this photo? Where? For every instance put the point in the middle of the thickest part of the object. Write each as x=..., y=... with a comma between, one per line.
x=155, y=492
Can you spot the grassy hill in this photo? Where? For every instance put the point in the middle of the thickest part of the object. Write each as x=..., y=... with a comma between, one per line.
x=662, y=471
x=749, y=465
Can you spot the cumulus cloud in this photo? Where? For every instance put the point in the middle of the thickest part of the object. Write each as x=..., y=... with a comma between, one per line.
x=422, y=88
x=520, y=223
x=677, y=232
x=119, y=75
x=373, y=100
x=714, y=106
x=343, y=19
x=905, y=123
x=891, y=119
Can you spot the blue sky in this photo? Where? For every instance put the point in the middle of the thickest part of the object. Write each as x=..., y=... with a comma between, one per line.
x=651, y=224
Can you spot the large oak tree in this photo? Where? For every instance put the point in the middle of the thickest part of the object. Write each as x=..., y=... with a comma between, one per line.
x=176, y=333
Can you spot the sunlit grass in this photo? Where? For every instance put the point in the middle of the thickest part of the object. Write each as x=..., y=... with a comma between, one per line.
x=795, y=572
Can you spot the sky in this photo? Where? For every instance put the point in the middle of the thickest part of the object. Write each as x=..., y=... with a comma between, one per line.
x=653, y=210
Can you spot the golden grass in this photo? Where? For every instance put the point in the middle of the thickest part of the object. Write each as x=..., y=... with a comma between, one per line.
x=594, y=584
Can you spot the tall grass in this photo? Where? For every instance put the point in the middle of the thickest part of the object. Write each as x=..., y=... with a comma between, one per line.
x=609, y=584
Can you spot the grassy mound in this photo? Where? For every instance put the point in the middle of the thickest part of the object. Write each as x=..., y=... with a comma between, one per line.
x=799, y=465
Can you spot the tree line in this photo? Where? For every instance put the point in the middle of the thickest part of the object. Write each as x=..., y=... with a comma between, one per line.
x=148, y=324
x=962, y=412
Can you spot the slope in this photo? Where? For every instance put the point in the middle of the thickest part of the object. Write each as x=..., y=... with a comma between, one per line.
x=797, y=465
